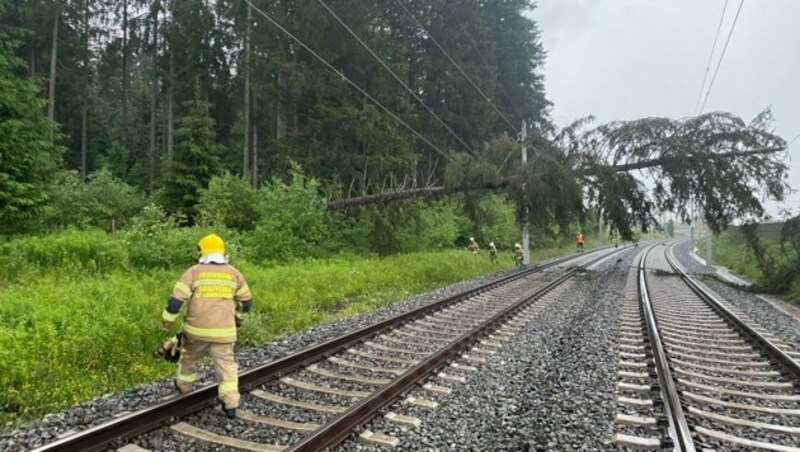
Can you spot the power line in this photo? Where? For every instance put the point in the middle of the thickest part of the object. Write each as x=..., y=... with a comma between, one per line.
x=459, y=67
x=385, y=66
x=345, y=78
x=475, y=46
x=719, y=63
x=710, y=57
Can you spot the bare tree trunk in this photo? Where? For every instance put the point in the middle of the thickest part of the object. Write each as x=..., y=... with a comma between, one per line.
x=379, y=198
x=153, y=95
x=31, y=58
x=246, y=151
x=84, y=134
x=125, y=73
x=255, y=147
x=85, y=108
x=280, y=125
x=51, y=101
x=171, y=95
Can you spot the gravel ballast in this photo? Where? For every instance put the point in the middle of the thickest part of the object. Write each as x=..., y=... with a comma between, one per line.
x=552, y=387
x=781, y=324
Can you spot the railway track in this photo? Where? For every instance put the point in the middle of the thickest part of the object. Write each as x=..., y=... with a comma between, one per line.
x=317, y=397
x=696, y=373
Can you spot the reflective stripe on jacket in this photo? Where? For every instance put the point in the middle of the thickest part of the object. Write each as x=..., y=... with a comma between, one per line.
x=215, y=293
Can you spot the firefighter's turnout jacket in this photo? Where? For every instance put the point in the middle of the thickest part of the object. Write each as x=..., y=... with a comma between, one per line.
x=216, y=293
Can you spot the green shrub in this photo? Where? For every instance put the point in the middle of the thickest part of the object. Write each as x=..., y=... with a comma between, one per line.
x=231, y=202
x=168, y=249
x=439, y=224
x=67, y=340
x=501, y=225
x=103, y=202
x=291, y=224
x=69, y=251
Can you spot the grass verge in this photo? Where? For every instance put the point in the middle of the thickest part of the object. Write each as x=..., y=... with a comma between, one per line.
x=739, y=259
x=70, y=337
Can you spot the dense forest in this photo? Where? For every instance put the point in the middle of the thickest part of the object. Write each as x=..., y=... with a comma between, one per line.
x=205, y=109
x=316, y=137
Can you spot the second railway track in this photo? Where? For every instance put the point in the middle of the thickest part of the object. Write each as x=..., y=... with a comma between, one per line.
x=317, y=397
x=696, y=373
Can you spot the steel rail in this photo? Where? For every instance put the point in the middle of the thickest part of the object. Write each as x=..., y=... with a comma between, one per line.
x=337, y=430
x=103, y=436
x=678, y=427
x=777, y=356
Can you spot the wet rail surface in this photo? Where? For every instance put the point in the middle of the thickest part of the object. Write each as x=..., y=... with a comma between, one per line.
x=696, y=373
x=316, y=397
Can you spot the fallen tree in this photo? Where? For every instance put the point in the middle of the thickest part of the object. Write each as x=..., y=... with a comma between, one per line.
x=716, y=160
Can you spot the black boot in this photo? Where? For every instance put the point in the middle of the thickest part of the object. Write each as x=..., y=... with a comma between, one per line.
x=230, y=413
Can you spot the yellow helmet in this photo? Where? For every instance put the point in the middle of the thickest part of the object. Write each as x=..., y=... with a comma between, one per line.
x=211, y=243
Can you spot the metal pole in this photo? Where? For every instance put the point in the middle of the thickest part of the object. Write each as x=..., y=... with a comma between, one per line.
x=708, y=244
x=691, y=224
x=526, y=252
x=601, y=228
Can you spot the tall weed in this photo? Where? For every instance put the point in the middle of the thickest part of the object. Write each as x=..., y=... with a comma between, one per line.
x=69, y=339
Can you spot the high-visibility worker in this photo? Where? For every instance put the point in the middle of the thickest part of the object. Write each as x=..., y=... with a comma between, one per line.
x=579, y=241
x=217, y=296
x=519, y=255
x=473, y=245
x=492, y=252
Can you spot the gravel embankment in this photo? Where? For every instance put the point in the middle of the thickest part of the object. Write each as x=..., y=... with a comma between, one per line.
x=552, y=387
x=99, y=410
x=783, y=325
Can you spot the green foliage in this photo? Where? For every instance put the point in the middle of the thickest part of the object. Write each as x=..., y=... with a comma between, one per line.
x=291, y=223
x=152, y=221
x=231, y=202
x=438, y=224
x=501, y=225
x=103, y=202
x=773, y=265
x=29, y=155
x=170, y=248
x=670, y=228
x=89, y=334
x=716, y=159
x=196, y=160
x=67, y=252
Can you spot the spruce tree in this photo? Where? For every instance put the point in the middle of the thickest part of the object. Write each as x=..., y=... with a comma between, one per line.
x=29, y=155
x=196, y=160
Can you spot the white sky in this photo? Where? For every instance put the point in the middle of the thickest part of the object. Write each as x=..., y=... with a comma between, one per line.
x=627, y=59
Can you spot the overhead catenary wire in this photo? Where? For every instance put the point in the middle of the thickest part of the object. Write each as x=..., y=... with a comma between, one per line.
x=385, y=66
x=710, y=58
x=475, y=45
x=345, y=78
x=722, y=55
x=469, y=79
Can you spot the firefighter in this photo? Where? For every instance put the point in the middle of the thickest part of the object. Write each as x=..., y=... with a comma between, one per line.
x=473, y=246
x=518, y=254
x=492, y=252
x=579, y=241
x=218, y=297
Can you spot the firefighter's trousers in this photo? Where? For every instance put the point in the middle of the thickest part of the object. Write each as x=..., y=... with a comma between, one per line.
x=224, y=367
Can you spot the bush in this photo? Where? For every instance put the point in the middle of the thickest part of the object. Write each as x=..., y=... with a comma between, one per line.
x=501, y=227
x=155, y=241
x=230, y=202
x=291, y=224
x=68, y=251
x=103, y=202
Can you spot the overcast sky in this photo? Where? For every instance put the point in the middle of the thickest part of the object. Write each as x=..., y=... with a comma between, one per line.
x=627, y=59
